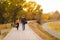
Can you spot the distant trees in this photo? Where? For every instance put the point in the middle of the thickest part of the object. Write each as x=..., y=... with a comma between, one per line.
x=56, y=15
x=51, y=16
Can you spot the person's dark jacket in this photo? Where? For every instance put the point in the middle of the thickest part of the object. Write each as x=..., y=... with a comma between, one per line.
x=23, y=20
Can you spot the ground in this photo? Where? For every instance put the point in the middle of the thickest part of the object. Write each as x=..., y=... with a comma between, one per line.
x=54, y=26
x=41, y=32
x=27, y=34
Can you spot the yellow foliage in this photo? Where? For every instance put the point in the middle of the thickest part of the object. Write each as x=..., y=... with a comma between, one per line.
x=45, y=16
x=6, y=15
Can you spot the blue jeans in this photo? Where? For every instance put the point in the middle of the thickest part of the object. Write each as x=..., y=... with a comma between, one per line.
x=23, y=26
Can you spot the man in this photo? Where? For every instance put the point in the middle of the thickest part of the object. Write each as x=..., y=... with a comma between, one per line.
x=23, y=21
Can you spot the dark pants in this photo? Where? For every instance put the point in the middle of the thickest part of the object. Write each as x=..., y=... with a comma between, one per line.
x=17, y=25
x=23, y=26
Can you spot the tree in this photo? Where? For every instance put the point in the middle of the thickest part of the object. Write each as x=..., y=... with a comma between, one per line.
x=15, y=6
x=9, y=9
x=32, y=8
x=56, y=15
x=39, y=18
x=3, y=11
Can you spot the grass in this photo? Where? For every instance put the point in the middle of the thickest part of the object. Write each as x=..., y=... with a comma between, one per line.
x=4, y=34
x=55, y=26
x=41, y=32
x=5, y=26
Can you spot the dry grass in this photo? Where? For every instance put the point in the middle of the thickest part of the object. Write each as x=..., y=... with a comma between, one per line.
x=55, y=26
x=4, y=26
x=41, y=32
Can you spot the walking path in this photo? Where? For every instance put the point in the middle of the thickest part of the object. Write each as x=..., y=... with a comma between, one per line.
x=52, y=32
x=27, y=34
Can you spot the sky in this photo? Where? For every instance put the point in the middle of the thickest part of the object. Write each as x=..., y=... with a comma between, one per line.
x=48, y=5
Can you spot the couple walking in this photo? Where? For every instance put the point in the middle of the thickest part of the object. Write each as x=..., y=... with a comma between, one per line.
x=23, y=21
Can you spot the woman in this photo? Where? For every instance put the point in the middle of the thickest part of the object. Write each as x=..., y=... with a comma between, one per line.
x=17, y=24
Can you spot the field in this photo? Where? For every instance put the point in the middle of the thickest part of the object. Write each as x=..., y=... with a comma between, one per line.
x=41, y=32
x=55, y=26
